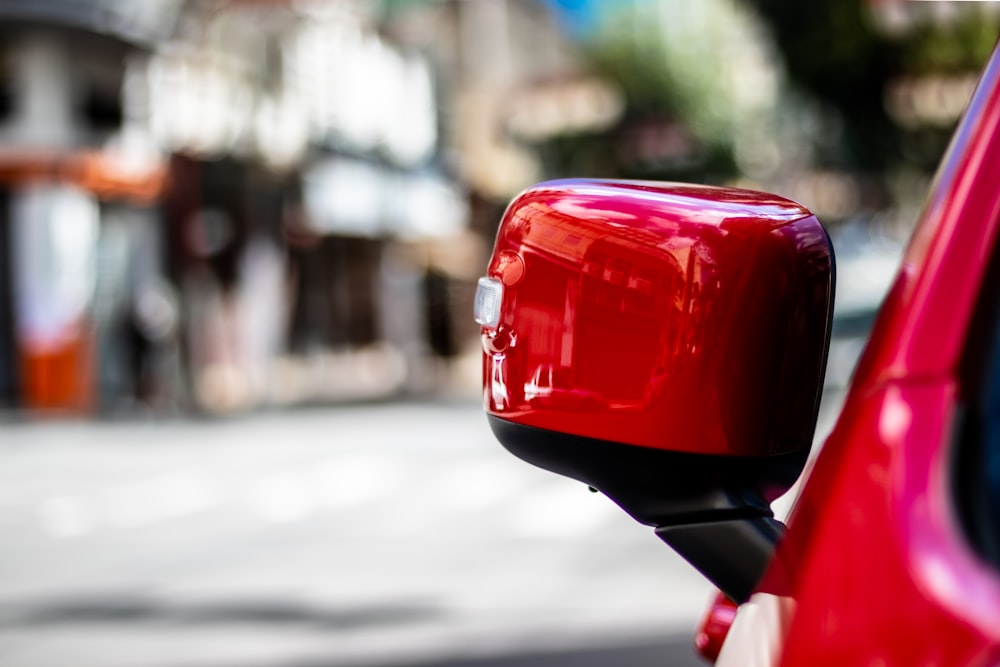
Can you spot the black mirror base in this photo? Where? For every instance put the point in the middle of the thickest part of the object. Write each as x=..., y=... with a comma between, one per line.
x=732, y=554
x=713, y=510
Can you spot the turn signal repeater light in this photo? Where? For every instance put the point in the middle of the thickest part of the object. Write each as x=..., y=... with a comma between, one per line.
x=665, y=344
x=489, y=295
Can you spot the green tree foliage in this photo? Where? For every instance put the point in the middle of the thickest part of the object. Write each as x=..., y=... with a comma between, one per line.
x=835, y=65
x=672, y=61
x=834, y=50
x=831, y=49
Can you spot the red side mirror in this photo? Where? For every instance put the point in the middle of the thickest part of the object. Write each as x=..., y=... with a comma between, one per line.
x=663, y=343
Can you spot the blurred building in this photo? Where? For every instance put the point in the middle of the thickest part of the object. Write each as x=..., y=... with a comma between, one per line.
x=79, y=184
x=304, y=149
x=222, y=203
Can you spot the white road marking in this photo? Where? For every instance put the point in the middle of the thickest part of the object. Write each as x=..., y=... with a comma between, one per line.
x=282, y=498
x=68, y=516
x=477, y=485
x=169, y=496
x=560, y=511
x=343, y=483
x=530, y=505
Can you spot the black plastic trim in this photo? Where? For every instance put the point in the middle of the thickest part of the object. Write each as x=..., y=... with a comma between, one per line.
x=713, y=510
x=732, y=554
x=655, y=486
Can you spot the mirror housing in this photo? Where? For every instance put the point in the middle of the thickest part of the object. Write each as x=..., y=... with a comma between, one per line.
x=665, y=344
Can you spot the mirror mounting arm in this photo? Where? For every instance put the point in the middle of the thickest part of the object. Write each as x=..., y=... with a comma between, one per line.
x=732, y=554
x=700, y=505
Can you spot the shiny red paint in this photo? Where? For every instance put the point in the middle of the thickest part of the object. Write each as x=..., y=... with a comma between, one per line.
x=875, y=568
x=714, y=627
x=678, y=317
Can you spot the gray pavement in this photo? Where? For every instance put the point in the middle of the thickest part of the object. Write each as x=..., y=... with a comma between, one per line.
x=364, y=535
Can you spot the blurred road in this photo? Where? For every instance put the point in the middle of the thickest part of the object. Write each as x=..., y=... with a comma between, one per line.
x=363, y=535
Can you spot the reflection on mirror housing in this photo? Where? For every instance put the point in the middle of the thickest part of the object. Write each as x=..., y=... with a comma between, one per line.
x=666, y=345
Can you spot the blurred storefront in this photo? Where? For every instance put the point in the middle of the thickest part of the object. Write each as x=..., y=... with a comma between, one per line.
x=75, y=180
x=300, y=185
x=222, y=205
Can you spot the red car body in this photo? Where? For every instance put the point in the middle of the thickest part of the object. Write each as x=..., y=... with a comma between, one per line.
x=877, y=567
